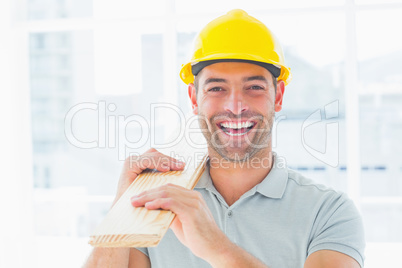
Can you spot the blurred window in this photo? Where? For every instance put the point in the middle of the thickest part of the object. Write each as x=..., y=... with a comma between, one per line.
x=365, y=2
x=380, y=88
x=185, y=7
x=112, y=59
x=51, y=9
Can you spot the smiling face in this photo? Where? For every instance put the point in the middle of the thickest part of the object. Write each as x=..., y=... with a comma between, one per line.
x=236, y=104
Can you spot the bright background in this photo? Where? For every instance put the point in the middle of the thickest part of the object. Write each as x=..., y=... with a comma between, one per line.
x=55, y=54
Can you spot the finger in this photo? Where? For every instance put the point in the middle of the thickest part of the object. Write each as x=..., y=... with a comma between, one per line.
x=172, y=163
x=149, y=196
x=166, y=158
x=164, y=191
x=171, y=204
x=175, y=192
x=160, y=203
x=150, y=160
x=151, y=150
x=183, y=207
x=177, y=165
x=163, y=162
x=167, y=190
x=155, y=160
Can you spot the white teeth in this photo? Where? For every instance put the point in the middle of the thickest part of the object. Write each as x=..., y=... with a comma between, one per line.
x=235, y=134
x=237, y=125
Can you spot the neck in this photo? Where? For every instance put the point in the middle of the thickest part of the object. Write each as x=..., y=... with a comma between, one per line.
x=233, y=179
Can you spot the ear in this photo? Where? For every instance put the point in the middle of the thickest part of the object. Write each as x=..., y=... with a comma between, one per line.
x=193, y=98
x=280, y=90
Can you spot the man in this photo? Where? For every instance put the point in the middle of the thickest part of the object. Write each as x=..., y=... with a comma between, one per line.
x=247, y=210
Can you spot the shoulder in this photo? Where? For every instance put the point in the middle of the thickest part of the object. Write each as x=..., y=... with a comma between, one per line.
x=302, y=182
x=335, y=222
x=322, y=201
x=298, y=184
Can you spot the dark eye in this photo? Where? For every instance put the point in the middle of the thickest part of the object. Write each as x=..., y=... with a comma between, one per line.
x=215, y=89
x=256, y=87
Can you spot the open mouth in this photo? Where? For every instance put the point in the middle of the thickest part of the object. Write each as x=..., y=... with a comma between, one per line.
x=236, y=128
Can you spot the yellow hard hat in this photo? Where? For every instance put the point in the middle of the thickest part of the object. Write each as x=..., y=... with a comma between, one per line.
x=236, y=36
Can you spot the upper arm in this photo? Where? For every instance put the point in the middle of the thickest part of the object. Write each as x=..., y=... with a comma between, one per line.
x=330, y=259
x=338, y=229
x=138, y=259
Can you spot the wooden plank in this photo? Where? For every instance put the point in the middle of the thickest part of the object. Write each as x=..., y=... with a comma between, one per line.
x=127, y=226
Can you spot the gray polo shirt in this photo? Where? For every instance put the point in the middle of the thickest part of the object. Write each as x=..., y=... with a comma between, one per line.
x=281, y=221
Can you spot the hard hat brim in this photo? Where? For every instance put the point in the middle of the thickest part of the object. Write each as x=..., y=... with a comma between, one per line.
x=186, y=72
x=273, y=69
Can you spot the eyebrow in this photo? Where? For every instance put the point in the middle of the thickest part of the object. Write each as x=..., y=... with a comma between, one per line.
x=257, y=77
x=246, y=79
x=212, y=80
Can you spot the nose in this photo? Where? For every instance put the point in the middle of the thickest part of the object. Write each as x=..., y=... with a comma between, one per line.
x=235, y=103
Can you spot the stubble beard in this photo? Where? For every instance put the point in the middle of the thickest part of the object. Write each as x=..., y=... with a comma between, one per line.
x=238, y=150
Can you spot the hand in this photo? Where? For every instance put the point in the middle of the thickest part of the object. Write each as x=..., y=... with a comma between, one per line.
x=134, y=165
x=193, y=225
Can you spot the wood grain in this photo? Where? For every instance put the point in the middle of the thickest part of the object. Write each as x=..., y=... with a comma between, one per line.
x=127, y=226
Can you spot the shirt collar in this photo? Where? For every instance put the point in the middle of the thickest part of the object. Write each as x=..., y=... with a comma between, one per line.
x=273, y=186
x=205, y=180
